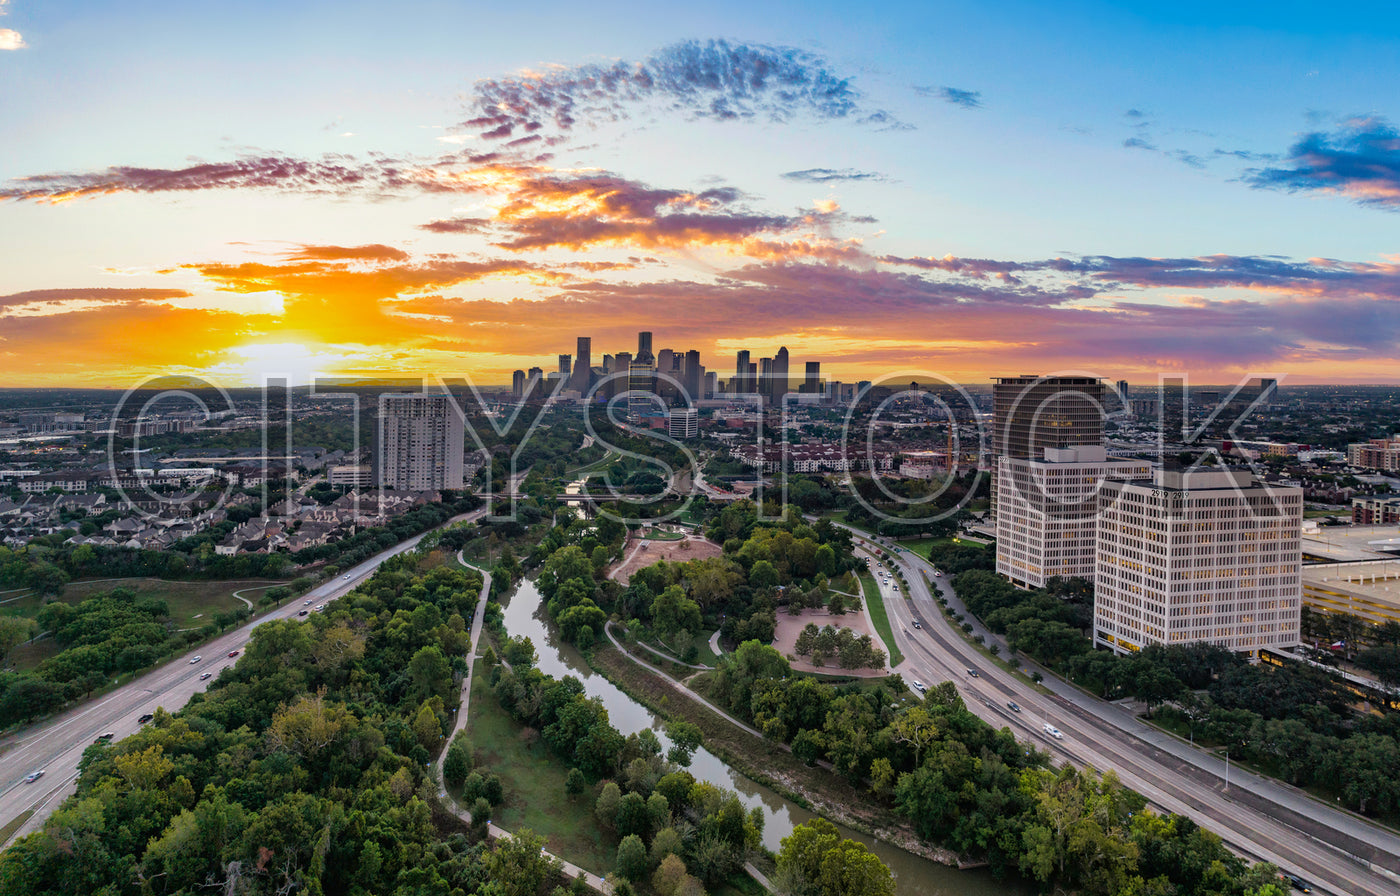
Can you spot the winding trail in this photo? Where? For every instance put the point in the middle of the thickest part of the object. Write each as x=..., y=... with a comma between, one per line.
x=494, y=832
x=682, y=689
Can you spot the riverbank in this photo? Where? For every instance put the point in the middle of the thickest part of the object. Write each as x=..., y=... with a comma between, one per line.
x=768, y=763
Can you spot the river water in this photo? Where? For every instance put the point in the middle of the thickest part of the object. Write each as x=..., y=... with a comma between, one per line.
x=914, y=876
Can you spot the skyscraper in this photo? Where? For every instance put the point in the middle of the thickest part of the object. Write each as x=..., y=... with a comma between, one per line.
x=517, y=384
x=565, y=368
x=583, y=365
x=1032, y=413
x=778, y=383
x=1208, y=555
x=1047, y=511
x=622, y=366
x=420, y=442
x=641, y=379
x=694, y=375
x=812, y=385
x=741, y=371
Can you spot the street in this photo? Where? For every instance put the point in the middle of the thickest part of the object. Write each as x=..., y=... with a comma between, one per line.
x=1337, y=851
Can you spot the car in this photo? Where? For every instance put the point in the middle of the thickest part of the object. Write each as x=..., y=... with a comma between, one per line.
x=144, y=719
x=306, y=603
x=105, y=738
x=973, y=673
x=347, y=575
x=233, y=653
x=195, y=660
x=937, y=573
x=916, y=624
x=319, y=607
x=301, y=613
x=206, y=676
x=1294, y=881
x=1011, y=705
x=919, y=686
x=33, y=776
x=1053, y=731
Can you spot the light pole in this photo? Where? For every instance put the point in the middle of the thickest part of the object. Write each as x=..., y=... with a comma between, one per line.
x=1227, y=769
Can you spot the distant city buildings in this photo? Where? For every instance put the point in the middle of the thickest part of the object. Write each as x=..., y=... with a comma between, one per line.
x=683, y=423
x=421, y=440
x=1207, y=555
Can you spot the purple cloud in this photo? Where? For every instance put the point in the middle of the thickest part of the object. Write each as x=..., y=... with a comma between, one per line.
x=1360, y=159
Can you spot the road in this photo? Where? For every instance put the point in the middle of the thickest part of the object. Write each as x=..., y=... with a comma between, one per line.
x=56, y=746
x=1343, y=854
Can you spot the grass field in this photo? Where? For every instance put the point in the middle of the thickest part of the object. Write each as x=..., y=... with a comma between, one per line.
x=881, y=618
x=921, y=546
x=534, y=785
x=191, y=604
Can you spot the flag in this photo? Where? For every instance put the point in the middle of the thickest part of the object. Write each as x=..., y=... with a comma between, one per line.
x=1338, y=645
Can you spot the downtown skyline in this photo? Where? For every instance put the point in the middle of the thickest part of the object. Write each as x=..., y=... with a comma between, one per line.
x=962, y=191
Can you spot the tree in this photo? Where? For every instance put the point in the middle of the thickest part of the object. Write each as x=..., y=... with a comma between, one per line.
x=457, y=763
x=427, y=728
x=672, y=612
x=685, y=740
x=431, y=674
x=669, y=876
x=849, y=869
x=632, y=857
x=575, y=783
x=606, y=806
x=763, y=575
x=800, y=859
x=519, y=865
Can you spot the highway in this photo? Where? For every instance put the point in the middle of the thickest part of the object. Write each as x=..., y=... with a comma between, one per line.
x=56, y=745
x=1337, y=852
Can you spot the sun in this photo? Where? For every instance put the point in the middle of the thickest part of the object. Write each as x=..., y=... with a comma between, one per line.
x=256, y=363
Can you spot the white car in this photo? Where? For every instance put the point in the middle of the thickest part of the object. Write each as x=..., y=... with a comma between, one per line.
x=919, y=686
x=1053, y=731
x=33, y=776
x=195, y=660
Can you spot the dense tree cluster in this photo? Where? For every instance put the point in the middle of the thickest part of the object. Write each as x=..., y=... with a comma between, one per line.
x=817, y=861
x=304, y=768
x=977, y=790
x=105, y=635
x=830, y=642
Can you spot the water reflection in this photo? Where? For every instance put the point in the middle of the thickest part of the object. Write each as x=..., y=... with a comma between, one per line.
x=914, y=876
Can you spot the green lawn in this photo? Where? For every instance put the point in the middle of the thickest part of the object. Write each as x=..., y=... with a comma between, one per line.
x=191, y=604
x=921, y=546
x=534, y=785
x=881, y=618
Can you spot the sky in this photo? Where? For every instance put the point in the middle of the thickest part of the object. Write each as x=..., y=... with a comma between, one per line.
x=956, y=190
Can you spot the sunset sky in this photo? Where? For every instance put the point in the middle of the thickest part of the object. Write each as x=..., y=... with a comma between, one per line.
x=236, y=190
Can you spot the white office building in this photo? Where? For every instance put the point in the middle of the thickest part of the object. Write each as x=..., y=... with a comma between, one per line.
x=1048, y=508
x=1205, y=555
x=683, y=423
x=421, y=440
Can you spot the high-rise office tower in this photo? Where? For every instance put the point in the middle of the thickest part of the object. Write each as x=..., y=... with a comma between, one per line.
x=778, y=383
x=517, y=384
x=711, y=384
x=1208, y=555
x=1047, y=510
x=533, y=378
x=1122, y=387
x=765, y=377
x=607, y=364
x=694, y=375
x=420, y=442
x=565, y=366
x=641, y=379
x=622, y=366
x=741, y=371
x=812, y=383
x=1032, y=413
x=583, y=365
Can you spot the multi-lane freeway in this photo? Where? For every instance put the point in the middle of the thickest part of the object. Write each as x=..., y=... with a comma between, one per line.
x=55, y=746
x=1261, y=819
